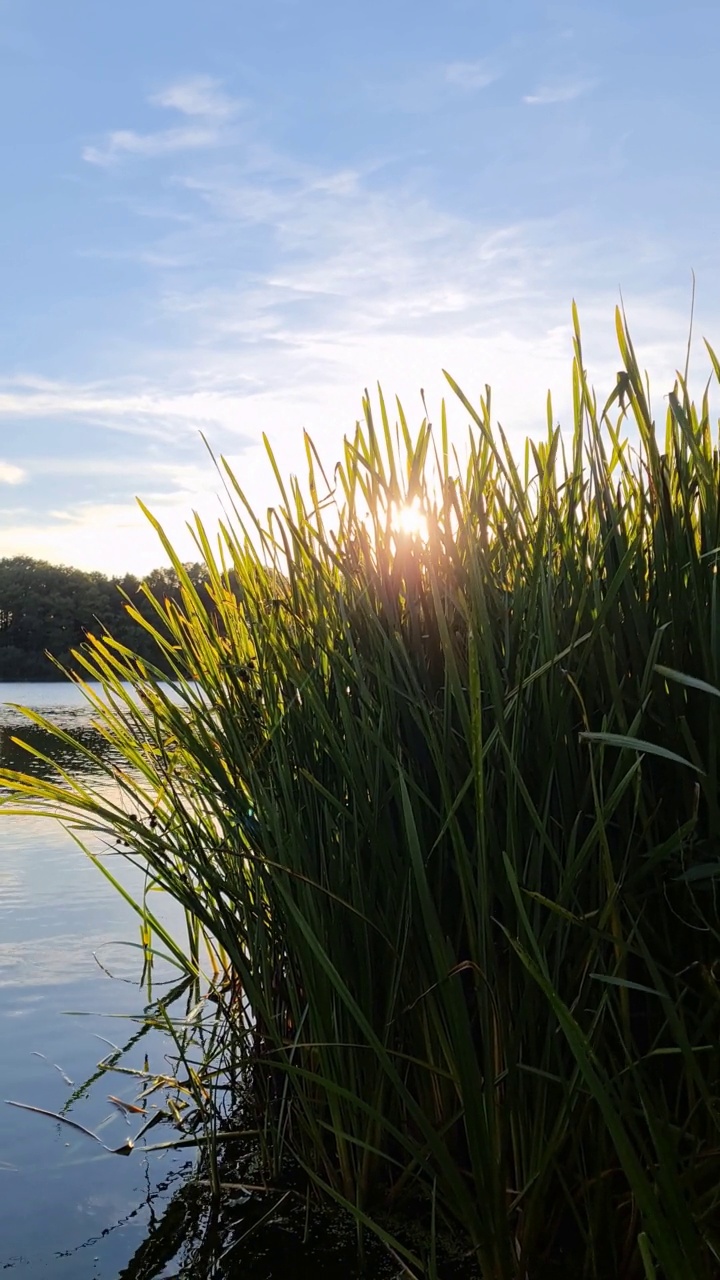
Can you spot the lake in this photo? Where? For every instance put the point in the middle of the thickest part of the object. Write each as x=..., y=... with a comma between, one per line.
x=70, y=989
x=67, y=1208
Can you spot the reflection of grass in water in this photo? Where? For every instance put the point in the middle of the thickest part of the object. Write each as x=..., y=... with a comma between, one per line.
x=118, y=1053
x=254, y=1237
x=147, y=1263
x=14, y=756
x=159, y=1098
x=253, y=1226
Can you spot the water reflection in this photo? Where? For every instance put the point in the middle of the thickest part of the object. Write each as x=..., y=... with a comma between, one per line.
x=63, y=931
x=259, y=1237
x=15, y=756
x=70, y=992
x=63, y=704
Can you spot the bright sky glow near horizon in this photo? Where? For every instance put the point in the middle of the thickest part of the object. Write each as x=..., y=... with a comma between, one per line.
x=231, y=218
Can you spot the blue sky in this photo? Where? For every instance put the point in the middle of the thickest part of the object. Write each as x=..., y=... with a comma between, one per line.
x=232, y=217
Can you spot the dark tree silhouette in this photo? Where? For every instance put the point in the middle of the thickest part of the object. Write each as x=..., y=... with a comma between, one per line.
x=46, y=608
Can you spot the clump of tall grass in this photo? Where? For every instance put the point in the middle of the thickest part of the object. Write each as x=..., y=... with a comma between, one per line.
x=445, y=809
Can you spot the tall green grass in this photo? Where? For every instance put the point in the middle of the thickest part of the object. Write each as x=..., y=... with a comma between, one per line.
x=443, y=813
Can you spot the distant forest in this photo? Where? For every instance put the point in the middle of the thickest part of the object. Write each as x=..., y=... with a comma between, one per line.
x=46, y=608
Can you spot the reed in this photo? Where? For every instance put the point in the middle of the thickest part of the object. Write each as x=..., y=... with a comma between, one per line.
x=440, y=800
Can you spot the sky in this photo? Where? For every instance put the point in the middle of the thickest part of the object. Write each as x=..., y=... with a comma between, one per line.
x=226, y=218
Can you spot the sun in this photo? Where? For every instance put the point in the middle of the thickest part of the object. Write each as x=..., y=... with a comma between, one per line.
x=410, y=520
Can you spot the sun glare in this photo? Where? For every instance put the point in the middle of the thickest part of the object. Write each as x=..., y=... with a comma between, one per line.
x=410, y=520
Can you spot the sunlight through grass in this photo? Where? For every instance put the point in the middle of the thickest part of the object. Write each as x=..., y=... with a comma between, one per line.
x=437, y=788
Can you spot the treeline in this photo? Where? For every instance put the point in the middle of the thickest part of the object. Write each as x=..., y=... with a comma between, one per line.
x=47, y=608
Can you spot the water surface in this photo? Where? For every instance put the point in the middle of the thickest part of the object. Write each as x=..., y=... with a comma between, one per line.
x=68, y=1209
x=69, y=983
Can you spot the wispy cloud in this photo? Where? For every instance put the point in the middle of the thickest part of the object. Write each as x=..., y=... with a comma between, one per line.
x=470, y=76
x=159, y=414
x=337, y=277
x=10, y=474
x=282, y=287
x=199, y=96
x=164, y=142
x=566, y=91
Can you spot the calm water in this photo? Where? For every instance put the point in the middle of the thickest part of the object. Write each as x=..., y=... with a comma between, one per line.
x=68, y=1209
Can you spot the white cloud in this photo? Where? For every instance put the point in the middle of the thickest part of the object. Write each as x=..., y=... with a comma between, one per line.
x=160, y=414
x=112, y=468
x=114, y=537
x=198, y=96
x=10, y=474
x=548, y=94
x=354, y=283
x=470, y=76
x=164, y=142
x=336, y=281
x=311, y=375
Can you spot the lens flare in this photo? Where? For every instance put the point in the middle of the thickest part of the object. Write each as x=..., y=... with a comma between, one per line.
x=410, y=520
